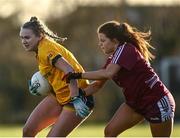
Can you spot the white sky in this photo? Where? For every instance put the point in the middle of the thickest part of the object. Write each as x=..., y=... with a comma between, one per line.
x=42, y=8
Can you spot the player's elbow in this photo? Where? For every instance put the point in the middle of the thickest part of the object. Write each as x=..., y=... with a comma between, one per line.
x=108, y=75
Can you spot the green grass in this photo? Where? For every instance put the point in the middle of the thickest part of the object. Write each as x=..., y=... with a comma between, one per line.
x=88, y=131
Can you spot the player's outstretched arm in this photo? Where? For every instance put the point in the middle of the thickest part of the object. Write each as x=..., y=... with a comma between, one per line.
x=102, y=74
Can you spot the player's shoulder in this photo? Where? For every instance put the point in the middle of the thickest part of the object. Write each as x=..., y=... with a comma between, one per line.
x=131, y=49
x=125, y=46
x=44, y=46
x=130, y=46
x=48, y=44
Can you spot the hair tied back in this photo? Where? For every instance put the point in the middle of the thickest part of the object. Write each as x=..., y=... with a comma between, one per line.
x=122, y=27
x=33, y=19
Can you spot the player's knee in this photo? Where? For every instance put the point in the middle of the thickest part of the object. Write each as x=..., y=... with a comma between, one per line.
x=28, y=132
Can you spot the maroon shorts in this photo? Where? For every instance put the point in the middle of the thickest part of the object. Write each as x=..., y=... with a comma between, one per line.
x=161, y=110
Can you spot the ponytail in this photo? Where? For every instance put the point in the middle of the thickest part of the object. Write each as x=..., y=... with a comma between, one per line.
x=39, y=28
x=123, y=32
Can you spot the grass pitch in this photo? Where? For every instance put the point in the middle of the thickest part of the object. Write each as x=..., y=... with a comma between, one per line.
x=85, y=130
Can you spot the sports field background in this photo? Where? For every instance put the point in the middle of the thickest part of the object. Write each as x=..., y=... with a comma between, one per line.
x=90, y=130
x=79, y=21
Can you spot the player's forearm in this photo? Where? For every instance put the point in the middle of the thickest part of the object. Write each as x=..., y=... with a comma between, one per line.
x=73, y=88
x=94, y=87
x=91, y=89
x=97, y=75
x=64, y=66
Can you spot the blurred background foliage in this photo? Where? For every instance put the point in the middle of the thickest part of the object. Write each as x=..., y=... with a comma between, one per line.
x=79, y=25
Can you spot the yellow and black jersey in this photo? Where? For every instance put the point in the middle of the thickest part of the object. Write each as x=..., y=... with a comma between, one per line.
x=48, y=52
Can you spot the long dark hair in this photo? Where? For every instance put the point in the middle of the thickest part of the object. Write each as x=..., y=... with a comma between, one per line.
x=39, y=28
x=123, y=32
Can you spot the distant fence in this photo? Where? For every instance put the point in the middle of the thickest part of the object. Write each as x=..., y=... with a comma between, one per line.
x=170, y=73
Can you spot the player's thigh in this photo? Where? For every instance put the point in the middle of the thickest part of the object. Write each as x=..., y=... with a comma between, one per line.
x=164, y=112
x=45, y=113
x=67, y=121
x=124, y=118
x=163, y=129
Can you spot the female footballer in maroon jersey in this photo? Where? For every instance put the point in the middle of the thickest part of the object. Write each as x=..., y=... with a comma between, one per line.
x=128, y=66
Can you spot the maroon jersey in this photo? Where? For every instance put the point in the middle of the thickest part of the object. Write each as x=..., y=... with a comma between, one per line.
x=141, y=85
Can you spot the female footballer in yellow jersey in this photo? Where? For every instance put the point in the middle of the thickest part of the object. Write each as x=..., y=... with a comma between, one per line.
x=68, y=106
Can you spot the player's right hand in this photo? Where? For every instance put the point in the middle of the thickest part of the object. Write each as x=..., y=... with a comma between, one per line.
x=80, y=107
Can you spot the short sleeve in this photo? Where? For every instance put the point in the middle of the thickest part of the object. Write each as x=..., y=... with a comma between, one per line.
x=53, y=55
x=126, y=56
x=49, y=53
x=107, y=62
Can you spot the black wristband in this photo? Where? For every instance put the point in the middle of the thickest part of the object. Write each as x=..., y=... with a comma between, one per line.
x=72, y=76
x=77, y=75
